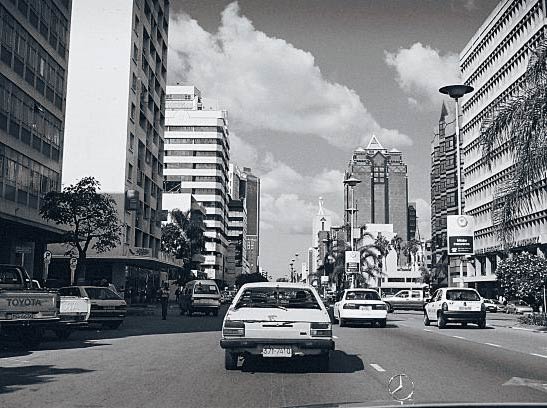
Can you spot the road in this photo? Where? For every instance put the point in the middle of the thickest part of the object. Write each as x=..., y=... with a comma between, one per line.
x=178, y=363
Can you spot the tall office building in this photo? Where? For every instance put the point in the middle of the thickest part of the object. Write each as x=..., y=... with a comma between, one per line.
x=33, y=74
x=382, y=195
x=444, y=186
x=115, y=124
x=494, y=62
x=250, y=190
x=196, y=162
x=237, y=263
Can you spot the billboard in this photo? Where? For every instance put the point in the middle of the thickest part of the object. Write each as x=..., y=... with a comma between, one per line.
x=352, y=262
x=460, y=230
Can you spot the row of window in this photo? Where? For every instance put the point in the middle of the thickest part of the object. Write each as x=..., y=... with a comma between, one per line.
x=218, y=129
x=23, y=180
x=194, y=153
x=194, y=166
x=48, y=20
x=216, y=179
x=24, y=120
x=30, y=61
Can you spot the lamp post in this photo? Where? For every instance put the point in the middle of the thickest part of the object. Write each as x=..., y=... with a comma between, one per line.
x=456, y=92
x=352, y=182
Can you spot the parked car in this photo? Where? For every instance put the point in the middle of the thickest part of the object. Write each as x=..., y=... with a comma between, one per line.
x=200, y=296
x=277, y=320
x=455, y=305
x=409, y=299
x=74, y=312
x=491, y=305
x=360, y=306
x=107, y=307
x=518, y=307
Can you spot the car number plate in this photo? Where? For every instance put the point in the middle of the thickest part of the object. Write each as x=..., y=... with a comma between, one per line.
x=109, y=307
x=276, y=351
x=365, y=308
x=22, y=315
x=465, y=307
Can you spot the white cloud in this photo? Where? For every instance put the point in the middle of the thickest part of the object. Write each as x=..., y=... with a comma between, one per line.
x=267, y=83
x=421, y=71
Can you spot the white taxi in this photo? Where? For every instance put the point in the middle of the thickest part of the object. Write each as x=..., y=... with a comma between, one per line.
x=361, y=306
x=277, y=320
x=455, y=305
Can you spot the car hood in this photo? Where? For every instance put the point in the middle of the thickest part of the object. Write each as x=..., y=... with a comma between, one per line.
x=277, y=314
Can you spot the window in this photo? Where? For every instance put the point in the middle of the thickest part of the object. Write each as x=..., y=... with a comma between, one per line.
x=137, y=25
x=135, y=53
x=134, y=82
x=129, y=172
x=131, y=141
x=133, y=112
x=42, y=67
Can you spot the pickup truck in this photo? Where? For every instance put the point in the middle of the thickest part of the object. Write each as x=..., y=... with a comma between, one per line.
x=74, y=312
x=407, y=299
x=25, y=312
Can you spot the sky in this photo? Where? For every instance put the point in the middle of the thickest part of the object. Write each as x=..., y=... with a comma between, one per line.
x=307, y=82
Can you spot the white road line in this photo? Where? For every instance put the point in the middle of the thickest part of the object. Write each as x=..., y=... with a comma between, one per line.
x=538, y=355
x=522, y=328
x=458, y=337
x=377, y=368
x=428, y=330
x=492, y=344
x=334, y=337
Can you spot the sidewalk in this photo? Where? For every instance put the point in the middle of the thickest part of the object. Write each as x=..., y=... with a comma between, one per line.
x=511, y=322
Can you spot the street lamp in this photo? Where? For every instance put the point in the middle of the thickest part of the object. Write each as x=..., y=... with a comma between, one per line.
x=456, y=92
x=351, y=182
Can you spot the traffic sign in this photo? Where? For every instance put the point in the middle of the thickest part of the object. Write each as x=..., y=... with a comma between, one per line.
x=73, y=262
x=47, y=256
x=460, y=232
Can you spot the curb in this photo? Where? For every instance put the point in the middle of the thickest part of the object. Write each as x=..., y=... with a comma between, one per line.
x=543, y=331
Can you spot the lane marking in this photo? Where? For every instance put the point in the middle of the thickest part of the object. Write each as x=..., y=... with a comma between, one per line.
x=493, y=345
x=428, y=330
x=459, y=337
x=334, y=337
x=522, y=328
x=538, y=355
x=377, y=368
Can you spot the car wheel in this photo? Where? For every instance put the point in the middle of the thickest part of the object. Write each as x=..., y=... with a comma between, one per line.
x=482, y=323
x=63, y=334
x=389, y=308
x=342, y=322
x=427, y=322
x=230, y=360
x=382, y=322
x=441, y=321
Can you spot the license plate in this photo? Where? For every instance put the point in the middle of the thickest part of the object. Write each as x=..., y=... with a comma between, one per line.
x=274, y=351
x=109, y=307
x=465, y=307
x=22, y=315
x=365, y=308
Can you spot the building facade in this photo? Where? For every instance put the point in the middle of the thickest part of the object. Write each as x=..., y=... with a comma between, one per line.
x=196, y=162
x=494, y=62
x=115, y=119
x=249, y=188
x=33, y=82
x=237, y=262
x=382, y=195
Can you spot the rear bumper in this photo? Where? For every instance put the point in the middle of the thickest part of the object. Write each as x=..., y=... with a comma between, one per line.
x=463, y=316
x=7, y=325
x=357, y=316
x=106, y=317
x=299, y=346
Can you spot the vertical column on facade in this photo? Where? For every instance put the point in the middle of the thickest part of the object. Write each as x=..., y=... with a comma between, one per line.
x=488, y=266
x=478, y=267
x=471, y=269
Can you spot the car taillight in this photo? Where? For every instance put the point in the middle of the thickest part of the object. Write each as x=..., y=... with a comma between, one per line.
x=233, y=328
x=320, y=330
x=379, y=307
x=445, y=307
x=350, y=306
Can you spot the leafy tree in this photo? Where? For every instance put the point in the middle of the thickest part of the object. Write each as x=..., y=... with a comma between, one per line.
x=520, y=125
x=91, y=217
x=523, y=277
x=183, y=238
x=397, y=245
x=250, y=278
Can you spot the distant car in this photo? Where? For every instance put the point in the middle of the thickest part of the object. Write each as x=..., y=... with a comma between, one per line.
x=518, y=307
x=361, y=306
x=455, y=305
x=491, y=305
x=107, y=307
x=277, y=320
x=200, y=296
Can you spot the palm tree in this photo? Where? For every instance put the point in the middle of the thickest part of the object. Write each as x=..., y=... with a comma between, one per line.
x=397, y=245
x=383, y=246
x=519, y=125
x=411, y=247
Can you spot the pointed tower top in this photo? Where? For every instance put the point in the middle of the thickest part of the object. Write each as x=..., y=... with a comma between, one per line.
x=321, y=210
x=374, y=144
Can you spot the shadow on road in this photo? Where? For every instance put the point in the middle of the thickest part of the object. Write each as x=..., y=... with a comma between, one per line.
x=340, y=362
x=14, y=378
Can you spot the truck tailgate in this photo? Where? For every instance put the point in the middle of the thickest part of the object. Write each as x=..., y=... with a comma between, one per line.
x=24, y=305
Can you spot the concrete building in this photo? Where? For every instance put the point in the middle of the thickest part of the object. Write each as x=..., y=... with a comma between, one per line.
x=196, y=162
x=237, y=262
x=115, y=122
x=412, y=221
x=494, y=62
x=33, y=78
x=382, y=195
x=444, y=188
x=249, y=188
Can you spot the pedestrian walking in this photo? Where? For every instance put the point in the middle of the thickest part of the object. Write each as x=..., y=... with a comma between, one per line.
x=164, y=299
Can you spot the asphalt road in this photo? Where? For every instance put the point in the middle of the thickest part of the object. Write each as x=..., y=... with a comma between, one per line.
x=178, y=363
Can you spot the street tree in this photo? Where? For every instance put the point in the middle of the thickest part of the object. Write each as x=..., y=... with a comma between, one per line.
x=397, y=244
x=520, y=125
x=523, y=277
x=91, y=218
x=250, y=278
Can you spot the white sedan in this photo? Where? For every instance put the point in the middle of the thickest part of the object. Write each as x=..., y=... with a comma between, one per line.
x=360, y=306
x=277, y=320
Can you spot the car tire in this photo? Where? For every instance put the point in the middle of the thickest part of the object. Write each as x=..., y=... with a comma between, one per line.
x=441, y=321
x=389, y=307
x=63, y=334
x=230, y=360
x=427, y=322
x=342, y=322
x=382, y=323
x=482, y=323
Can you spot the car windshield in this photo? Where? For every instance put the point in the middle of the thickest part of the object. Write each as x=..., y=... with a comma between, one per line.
x=290, y=298
x=101, y=294
x=468, y=295
x=203, y=289
x=362, y=295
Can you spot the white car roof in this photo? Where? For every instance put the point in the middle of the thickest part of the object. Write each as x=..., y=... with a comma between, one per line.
x=277, y=284
x=361, y=290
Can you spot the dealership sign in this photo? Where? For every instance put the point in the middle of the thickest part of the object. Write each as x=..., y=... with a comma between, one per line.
x=460, y=231
x=352, y=262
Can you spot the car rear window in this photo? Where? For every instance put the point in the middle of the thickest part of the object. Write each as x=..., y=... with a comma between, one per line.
x=69, y=292
x=9, y=275
x=200, y=289
x=101, y=294
x=362, y=295
x=468, y=295
x=290, y=298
